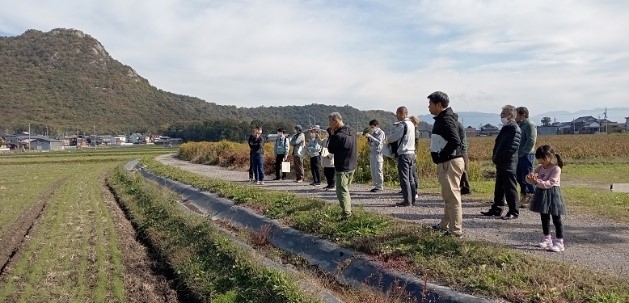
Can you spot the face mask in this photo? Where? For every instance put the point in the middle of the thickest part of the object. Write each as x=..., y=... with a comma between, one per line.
x=504, y=121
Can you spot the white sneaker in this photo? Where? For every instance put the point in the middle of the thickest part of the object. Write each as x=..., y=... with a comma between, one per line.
x=416, y=196
x=558, y=247
x=546, y=243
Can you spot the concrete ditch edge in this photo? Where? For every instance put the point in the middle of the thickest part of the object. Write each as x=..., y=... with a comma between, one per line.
x=346, y=265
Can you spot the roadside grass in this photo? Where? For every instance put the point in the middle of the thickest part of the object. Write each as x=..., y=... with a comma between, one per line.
x=206, y=262
x=474, y=267
x=73, y=254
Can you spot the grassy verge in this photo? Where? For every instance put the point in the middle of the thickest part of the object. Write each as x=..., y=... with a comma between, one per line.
x=474, y=267
x=206, y=263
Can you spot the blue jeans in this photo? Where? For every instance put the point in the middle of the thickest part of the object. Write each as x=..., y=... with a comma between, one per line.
x=405, y=166
x=525, y=167
x=258, y=166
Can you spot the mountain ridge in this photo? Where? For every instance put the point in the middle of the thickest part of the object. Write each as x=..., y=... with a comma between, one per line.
x=64, y=80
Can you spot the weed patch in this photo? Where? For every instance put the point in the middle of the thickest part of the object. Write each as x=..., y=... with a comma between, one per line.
x=205, y=262
x=474, y=267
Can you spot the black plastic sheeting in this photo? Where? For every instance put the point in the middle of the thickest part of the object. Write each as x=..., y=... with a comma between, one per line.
x=349, y=267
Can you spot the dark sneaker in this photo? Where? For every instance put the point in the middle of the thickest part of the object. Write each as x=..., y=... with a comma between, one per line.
x=402, y=204
x=491, y=212
x=374, y=190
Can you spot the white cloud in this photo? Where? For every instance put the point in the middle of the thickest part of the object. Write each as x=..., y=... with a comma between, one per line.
x=371, y=55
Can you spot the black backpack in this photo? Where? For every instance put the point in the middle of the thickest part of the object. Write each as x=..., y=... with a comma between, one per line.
x=396, y=144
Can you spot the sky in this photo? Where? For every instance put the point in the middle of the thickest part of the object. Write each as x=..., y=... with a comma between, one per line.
x=372, y=54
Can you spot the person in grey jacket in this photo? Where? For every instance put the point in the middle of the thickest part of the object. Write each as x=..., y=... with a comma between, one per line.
x=404, y=134
x=505, y=157
x=526, y=156
x=314, y=152
x=298, y=142
x=375, y=140
x=282, y=148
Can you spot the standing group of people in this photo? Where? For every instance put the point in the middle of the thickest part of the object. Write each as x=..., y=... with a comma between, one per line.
x=513, y=156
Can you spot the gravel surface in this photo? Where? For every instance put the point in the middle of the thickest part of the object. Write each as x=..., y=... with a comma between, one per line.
x=590, y=241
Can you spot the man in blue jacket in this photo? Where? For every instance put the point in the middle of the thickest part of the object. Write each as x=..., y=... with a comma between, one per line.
x=446, y=151
x=505, y=157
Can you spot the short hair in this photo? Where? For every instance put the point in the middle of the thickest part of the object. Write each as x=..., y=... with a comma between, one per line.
x=336, y=116
x=415, y=120
x=257, y=128
x=403, y=110
x=439, y=98
x=509, y=109
x=373, y=122
x=523, y=111
x=281, y=130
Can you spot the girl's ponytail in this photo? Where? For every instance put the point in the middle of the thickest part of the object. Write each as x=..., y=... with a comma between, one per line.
x=559, y=161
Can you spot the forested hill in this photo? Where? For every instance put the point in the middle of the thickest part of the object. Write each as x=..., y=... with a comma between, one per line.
x=64, y=80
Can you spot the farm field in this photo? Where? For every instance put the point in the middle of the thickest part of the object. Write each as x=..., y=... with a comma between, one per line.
x=61, y=232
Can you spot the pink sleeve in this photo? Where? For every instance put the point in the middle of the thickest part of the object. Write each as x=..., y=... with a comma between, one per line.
x=553, y=179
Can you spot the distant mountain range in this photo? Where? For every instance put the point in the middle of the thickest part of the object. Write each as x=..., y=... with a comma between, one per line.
x=477, y=119
x=64, y=81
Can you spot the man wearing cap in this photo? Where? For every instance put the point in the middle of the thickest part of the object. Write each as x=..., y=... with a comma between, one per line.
x=375, y=139
x=298, y=142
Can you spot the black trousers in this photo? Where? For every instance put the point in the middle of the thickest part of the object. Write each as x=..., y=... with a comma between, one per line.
x=506, y=189
x=314, y=169
x=278, y=166
x=329, y=176
x=556, y=222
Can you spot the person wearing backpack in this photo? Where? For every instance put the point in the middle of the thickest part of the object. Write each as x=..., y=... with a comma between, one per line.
x=404, y=135
x=281, y=150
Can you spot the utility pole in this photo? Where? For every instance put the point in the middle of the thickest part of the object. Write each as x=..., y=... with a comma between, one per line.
x=605, y=115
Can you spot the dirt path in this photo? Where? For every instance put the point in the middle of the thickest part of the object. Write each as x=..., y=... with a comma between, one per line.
x=591, y=241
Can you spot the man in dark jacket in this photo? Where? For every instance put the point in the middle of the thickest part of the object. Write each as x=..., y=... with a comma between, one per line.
x=342, y=143
x=505, y=157
x=446, y=151
x=256, y=145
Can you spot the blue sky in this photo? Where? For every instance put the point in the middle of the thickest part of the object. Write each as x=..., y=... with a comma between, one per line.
x=546, y=55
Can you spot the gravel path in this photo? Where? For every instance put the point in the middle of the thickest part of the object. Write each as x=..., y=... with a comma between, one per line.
x=591, y=241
